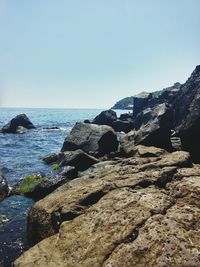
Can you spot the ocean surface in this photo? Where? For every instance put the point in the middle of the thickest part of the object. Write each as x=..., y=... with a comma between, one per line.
x=21, y=155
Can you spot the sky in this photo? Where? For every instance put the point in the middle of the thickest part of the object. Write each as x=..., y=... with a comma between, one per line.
x=92, y=53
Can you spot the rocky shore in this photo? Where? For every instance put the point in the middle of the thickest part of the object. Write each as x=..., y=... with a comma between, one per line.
x=125, y=191
x=128, y=212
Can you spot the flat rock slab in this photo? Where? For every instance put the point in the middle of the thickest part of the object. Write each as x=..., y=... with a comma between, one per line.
x=131, y=212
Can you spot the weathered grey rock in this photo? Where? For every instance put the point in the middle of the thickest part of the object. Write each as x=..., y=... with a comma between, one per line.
x=106, y=117
x=123, y=215
x=127, y=145
x=91, y=138
x=140, y=102
x=3, y=187
x=123, y=126
x=78, y=158
x=187, y=114
x=153, y=127
x=126, y=116
x=16, y=123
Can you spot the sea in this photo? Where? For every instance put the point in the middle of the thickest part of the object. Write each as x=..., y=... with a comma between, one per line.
x=21, y=155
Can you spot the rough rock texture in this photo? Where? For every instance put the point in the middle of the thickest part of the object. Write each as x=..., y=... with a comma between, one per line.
x=187, y=114
x=16, y=124
x=52, y=158
x=106, y=117
x=78, y=158
x=128, y=212
x=3, y=187
x=91, y=138
x=123, y=125
x=140, y=102
x=50, y=184
x=153, y=127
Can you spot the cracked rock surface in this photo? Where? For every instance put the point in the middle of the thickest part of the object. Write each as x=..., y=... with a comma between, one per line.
x=127, y=212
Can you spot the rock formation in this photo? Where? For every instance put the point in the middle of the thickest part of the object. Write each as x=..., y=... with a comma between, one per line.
x=187, y=114
x=18, y=125
x=91, y=138
x=3, y=187
x=128, y=212
x=106, y=117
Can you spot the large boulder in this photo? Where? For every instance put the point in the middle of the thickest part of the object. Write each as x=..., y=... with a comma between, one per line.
x=91, y=138
x=17, y=124
x=78, y=158
x=153, y=127
x=187, y=114
x=106, y=117
x=133, y=212
x=3, y=187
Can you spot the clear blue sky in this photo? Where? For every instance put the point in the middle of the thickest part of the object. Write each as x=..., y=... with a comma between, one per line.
x=91, y=53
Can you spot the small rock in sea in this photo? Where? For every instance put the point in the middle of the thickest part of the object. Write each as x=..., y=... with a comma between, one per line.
x=19, y=121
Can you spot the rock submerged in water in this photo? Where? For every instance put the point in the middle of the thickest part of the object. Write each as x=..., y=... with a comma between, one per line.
x=91, y=138
x=124, y=212
x=19, y=124
x=3, y=187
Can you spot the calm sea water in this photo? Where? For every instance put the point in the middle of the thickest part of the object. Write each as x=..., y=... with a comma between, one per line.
x=21, y=155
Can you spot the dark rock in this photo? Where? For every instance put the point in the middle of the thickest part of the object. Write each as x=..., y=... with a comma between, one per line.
x=21, y=120
x=126, y=116
x=49, y=159
x=187, y=114
x=3, y=187
x=91, y=138
x=26, y=184
x=122, y=126
x=140, y=102
x=153, y=127
x=106, y=117
x=79, y=159
x=87, y=121
x=50, y=184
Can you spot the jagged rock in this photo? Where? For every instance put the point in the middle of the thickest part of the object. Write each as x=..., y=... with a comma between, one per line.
x=187, y=114
x=48, y=185
x=124, y=216
x=3, y=187
x=126, y=116
x=16, y=123
x=78, y=158
x=140, y=102
x=106, y=117
x=122, y=126
x=153, y=127
x=127, y=145
x=91, y=138
x=49, y=159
